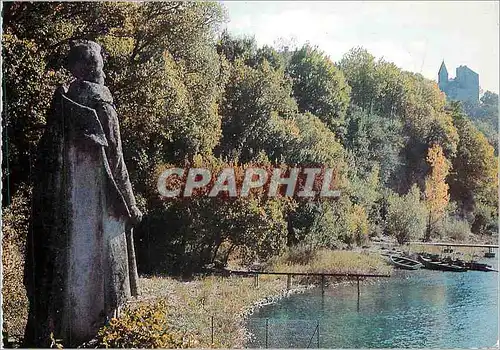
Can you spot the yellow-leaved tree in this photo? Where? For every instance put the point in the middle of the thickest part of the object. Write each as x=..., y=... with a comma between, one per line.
x=436, y=189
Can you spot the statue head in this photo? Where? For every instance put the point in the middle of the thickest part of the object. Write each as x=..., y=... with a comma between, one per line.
x=85, y=61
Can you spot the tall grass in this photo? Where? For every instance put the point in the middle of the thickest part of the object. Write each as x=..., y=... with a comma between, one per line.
x=191, y=305
x=330, y=261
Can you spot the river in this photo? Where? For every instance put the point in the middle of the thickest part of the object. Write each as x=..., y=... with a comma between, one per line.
x=420, y=308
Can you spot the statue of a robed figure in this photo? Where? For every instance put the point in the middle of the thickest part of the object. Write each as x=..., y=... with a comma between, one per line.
x=80, y=263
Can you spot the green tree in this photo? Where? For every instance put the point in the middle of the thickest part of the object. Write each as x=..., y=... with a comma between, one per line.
x=473, y=180
x=374, y=140
x=390, y=84
x=485, y=116
x=381, y=88
x=316, y=144
x=329, y=224
x=254, y=102
x=318, y=86
x=367, y=191
x=359, y=68
x=269, y=54
x=236, y=48
x=490, y=99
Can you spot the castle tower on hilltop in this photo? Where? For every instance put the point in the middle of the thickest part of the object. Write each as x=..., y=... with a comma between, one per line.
x=442, y=76
x=465, y=86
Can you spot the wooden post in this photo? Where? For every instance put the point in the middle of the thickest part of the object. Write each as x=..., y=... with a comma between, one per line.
x=317, y=327
x=357, y=278
x=132, y=265
x=212, y=330
x=322, y=284
x=256, y=280
x=288, y=282
x=267, y=326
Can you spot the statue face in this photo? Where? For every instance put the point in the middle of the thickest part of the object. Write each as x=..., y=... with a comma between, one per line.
x=86, y=63
x=96, y=73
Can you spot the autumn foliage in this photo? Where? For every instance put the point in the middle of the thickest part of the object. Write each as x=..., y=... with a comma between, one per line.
x=408, y=163
x=436, y=189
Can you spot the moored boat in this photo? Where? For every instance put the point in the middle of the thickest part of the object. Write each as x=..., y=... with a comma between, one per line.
x=405, y=263
x=441, y=265
x=475, y=266
x=489, y=253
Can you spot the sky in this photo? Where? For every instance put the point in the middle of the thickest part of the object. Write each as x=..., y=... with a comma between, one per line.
x=416, y=36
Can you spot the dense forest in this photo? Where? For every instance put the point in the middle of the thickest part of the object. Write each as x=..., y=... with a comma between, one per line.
x=411, y=165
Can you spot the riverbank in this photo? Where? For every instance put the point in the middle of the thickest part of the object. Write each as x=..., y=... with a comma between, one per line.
x=203, y=312
x=186, y=307
x=210, y=311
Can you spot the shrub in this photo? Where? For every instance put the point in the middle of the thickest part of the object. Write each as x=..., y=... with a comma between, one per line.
x=407, y=216
x=455, y=228
x=145, y=326
x=355, y=225
x=359, y=224
x=485, y=219
x=337, y=224
x=319, y=225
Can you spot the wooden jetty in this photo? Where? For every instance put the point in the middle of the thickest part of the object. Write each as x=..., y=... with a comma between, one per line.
x=449, y=244
x=306, y=274
x=488, y=254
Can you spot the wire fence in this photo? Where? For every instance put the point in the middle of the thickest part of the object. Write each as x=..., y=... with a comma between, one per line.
x=277, y=333
x=283, y=333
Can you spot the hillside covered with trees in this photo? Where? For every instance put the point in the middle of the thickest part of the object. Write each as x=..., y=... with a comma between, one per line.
x=410, y=164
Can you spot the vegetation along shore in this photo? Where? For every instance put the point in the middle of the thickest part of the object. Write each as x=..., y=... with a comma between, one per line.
x=409, y=164
x=190, y=305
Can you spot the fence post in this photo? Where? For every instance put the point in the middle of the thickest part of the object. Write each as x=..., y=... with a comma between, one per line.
x=256, y=280
x=322, y=284
x=357, y=278
x=288, y=282
x=318, y=333
x=267, y=325
x=212, y=329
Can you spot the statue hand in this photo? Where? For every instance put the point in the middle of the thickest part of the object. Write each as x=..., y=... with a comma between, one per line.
x=136, y=215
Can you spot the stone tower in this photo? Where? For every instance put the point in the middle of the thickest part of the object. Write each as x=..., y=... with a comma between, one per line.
x=442, y=77
x=465, y=86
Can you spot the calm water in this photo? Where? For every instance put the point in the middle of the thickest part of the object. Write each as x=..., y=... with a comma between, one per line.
x=411, y=309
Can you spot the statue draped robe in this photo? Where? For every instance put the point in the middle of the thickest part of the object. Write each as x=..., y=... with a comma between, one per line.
x=77, y=268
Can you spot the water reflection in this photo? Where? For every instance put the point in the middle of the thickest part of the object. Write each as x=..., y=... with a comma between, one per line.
x=411, y=309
